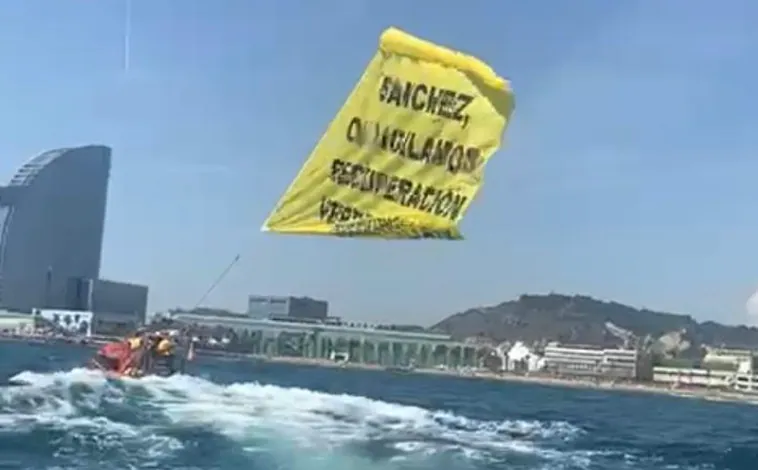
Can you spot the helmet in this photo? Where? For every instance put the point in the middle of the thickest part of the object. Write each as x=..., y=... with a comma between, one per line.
x=135, y=342
x=164, y=346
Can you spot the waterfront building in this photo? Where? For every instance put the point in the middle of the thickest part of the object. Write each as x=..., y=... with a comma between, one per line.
x=592, y=361
x=675, y=377
x=322, y=340
x=521, y=359
x=573, y=360
x=74, y=322
x=733, y=369
x=16, y=323
x=738, y=360
x=267, y=306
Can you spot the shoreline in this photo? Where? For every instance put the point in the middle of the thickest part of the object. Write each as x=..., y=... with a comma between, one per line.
x=558, y=382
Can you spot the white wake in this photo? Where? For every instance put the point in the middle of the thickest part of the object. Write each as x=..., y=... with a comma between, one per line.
x=300, y=427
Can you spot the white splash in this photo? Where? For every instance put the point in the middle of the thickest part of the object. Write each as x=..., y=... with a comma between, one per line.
x=308, y=423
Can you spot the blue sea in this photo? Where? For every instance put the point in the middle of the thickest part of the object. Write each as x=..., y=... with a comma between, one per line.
x=242, y=415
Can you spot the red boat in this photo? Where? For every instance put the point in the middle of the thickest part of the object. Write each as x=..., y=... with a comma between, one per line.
x=145, y=354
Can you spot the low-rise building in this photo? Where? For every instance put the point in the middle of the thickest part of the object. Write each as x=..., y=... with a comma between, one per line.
x=733, y=369
x=592, y=361
x=573, y=360
x=16, y=323
x=742, y=361
x=74, y=322
x=708, y=378
x=521, y=358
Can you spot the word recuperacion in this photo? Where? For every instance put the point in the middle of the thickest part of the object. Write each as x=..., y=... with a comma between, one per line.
x=439, y=202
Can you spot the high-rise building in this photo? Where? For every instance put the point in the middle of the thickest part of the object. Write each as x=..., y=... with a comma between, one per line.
x=52, y=216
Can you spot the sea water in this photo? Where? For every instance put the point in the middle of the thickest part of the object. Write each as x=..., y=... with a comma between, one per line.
x=243, y=415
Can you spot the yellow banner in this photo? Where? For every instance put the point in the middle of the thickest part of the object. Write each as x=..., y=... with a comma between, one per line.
x=405, y=156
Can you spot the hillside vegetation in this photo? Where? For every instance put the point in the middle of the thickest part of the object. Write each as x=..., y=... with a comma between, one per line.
x=583, y=320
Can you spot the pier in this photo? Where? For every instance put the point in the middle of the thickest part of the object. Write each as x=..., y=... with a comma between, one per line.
x=382, y=347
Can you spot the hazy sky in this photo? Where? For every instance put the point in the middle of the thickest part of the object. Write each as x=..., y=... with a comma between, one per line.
x=629, y=172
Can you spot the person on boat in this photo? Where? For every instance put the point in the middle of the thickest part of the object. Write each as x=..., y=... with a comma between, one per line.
x=133, y=365
x=160, y=356
x=136, y=341
x=139, y=354
x=124, y=357
x=164, y=347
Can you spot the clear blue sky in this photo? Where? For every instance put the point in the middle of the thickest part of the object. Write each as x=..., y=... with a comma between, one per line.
x=629, y=172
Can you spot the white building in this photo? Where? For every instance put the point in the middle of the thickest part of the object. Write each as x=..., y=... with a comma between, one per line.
x=522, y=359
x=622, y=363
x=740, y=360
x=17, y=323
x=591, y=361
x=721, y=368
x=710, y=378
x=70, y=321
